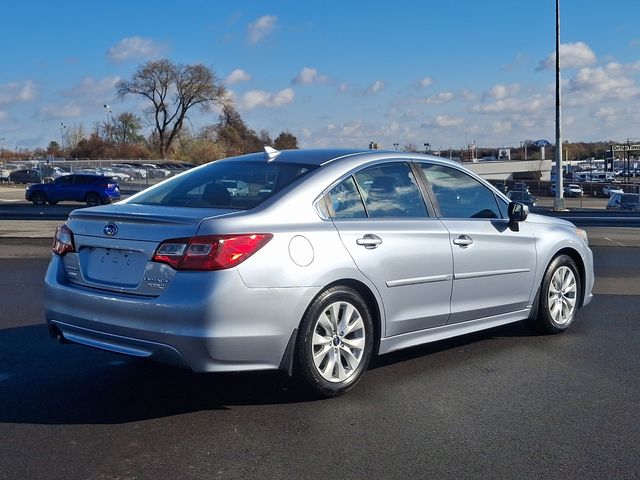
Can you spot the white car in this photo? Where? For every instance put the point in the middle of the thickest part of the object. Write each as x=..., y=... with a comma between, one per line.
x=133, y=172
x=155, y=171
x=573, y=190
x=609, y=190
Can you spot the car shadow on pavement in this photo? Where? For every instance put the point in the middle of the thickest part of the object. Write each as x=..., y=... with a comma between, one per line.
x=42, y=382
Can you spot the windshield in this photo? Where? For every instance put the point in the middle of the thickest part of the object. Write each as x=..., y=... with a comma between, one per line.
x=224, y=184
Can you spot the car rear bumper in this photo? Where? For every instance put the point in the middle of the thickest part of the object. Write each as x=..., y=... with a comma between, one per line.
x=217, y=326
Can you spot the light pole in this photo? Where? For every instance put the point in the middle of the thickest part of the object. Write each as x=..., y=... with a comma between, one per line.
x=396, y=146
x=62, y=127
x=427, y=146
x=558, y=203
x=109, y=112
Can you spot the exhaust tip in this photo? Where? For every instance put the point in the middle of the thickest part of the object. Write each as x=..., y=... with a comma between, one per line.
x=55, y=333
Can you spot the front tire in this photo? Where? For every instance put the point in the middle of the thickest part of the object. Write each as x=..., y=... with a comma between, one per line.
x=38, y=198
x=559, y=295
x=335, y=341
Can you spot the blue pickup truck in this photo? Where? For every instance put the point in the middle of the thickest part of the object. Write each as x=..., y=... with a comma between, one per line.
x=91, y=189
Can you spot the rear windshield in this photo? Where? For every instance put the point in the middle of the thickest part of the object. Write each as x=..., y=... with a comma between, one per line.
x=224, y=184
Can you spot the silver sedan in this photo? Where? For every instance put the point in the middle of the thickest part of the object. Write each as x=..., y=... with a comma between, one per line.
x=329, y=257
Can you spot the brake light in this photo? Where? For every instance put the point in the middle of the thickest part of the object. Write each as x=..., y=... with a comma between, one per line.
x=210, y=252
x=63, y=240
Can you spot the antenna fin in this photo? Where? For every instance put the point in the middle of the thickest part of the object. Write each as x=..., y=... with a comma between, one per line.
x=271, y=153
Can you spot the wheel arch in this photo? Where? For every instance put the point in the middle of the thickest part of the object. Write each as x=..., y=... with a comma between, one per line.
x=372, y=302
x=577, y=258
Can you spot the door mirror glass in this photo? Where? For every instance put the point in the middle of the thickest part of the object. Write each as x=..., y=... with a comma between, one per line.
x=518, y=212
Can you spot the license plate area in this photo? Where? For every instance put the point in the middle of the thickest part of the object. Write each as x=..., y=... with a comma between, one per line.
x=111, y=266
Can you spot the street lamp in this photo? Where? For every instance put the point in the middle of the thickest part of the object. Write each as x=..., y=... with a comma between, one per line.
x=558, y=203
x=62, y=127
x=427, y=146
x=109, y=112
x=396, y=146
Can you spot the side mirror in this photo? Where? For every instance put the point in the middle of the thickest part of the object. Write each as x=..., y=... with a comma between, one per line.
x=517, y=212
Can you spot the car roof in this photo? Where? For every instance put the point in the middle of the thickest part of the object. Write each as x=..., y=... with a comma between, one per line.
x=304, y=156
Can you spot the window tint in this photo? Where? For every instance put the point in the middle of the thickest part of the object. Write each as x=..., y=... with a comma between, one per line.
x=459, y=195
x=225, y=184
x=66, y=180
x=390, y=191
x=346, y=200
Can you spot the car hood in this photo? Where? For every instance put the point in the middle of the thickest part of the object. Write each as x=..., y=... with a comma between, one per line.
x=537, y=218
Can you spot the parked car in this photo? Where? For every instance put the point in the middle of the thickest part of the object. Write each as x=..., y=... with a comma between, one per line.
x=345, y=255
x=522, y=196
x=623, y=201
x=154, y=171
x=29, y=175
x=133, y=172
x=78, y=187
x=573, y=190
x=608, y=190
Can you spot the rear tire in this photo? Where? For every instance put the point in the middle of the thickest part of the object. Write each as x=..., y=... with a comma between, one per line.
x=335, y=342
x=560, y=295
x=93, y=199
x=38, y=198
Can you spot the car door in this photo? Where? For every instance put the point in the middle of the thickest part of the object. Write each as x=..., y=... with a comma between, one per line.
x=494, y=265
x=383, y=222
x=59, y=189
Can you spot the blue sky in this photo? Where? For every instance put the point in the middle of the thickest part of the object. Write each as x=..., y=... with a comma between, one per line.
x=334, y=73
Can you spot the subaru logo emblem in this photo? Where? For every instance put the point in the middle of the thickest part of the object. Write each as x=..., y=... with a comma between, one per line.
x=110, y=229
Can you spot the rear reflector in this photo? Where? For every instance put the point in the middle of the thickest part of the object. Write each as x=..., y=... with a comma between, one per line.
x=63, y=240
x=210, y=252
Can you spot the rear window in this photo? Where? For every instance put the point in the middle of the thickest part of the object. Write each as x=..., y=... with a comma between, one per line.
x=225, y=184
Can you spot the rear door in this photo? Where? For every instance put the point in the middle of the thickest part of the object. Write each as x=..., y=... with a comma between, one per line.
x=385, y=225
x=494, y=265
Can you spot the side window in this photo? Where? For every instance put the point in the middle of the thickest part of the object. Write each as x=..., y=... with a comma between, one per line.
x=459, y=195
x=391, y=191
x=346, y=200
x=66, y=180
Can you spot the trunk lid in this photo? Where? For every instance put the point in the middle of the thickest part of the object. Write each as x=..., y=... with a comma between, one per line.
x=114, y=245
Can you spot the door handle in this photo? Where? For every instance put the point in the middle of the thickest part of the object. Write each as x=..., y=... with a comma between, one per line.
x=463, y=241
x=369, y=241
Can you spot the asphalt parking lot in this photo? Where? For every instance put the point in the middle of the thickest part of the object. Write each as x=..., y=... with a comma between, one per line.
x=498, y=404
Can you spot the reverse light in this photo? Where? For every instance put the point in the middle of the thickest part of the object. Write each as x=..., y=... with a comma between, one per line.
x=63, y=240
x=210, y=252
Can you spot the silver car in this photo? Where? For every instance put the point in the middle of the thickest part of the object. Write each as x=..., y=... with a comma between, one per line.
x=330, y=257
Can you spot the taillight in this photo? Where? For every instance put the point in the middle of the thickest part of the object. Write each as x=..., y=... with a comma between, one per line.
x=210, y=252
x=63, y=240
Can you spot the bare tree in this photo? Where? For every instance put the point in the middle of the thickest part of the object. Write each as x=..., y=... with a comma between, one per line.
x=173, y=90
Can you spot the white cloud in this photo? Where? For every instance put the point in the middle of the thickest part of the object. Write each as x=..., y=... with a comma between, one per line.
x=130, y=48
x=53, y=112
x=606, y=114
x=441, y=97
x=95, y=90
x=308, y=76
x=426, y=82
x=500, y=92
x=572, y=55
x=15, y=92
x=501, y=127
x=261, y=28
x=259, y=98
x=445, y=121
x=237, y=76
x=603, y=83
x=533, y=104
x=343, y=88
x=375, y=87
